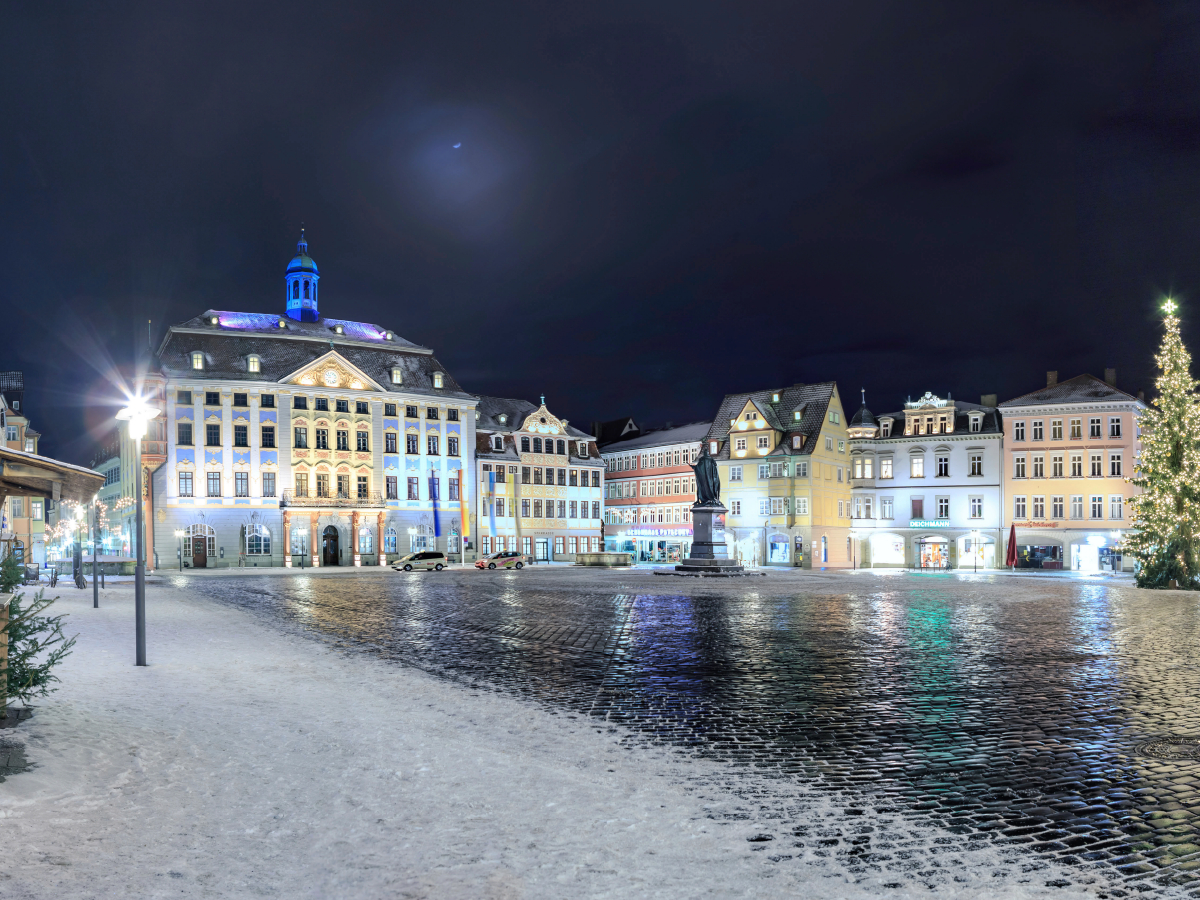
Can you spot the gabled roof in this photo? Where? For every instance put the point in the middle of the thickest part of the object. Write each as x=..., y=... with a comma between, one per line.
x=814, y=398
x=683, y=434
x=1080, y=389
x=515, y=413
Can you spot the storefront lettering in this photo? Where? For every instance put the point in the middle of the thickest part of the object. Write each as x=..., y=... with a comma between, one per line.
x=657, y=532
x=1032, y=524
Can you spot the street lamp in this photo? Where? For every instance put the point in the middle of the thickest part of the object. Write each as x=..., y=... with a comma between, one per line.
x=137, y=414
x=96, y=552
x=179, y=533
x=975, y=548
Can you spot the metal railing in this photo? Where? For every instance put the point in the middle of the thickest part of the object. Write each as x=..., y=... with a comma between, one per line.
x=338, y=501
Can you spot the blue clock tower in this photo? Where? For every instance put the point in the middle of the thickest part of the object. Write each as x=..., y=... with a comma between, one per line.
x=302, y=278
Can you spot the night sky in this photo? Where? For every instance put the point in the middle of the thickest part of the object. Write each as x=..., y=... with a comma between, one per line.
x=652, y=204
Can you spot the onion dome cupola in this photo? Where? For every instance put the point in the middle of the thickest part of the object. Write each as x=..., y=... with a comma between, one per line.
x=302, y=278
x=863, y=424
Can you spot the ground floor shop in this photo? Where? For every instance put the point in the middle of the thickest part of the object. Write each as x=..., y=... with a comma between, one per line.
x=542, y=545
x=946, y=548
x=664, y=544
x=1074, y=549
x=792, y=546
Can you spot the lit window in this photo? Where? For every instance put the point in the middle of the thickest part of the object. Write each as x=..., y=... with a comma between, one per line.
x=198, y=360
x=437, y=379
x=397, y=376
x=252, y=364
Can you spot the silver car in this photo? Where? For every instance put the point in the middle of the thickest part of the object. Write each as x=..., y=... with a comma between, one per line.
x=425, y=559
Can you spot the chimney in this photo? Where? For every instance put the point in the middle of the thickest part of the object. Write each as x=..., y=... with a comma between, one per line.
x=1110, y=376
x=1142, y=396
x=1051, y=379
x=987, y=400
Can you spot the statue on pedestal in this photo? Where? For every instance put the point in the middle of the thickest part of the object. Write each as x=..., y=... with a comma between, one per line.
x=708, y=482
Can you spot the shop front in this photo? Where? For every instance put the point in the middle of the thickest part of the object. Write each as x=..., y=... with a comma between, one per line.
x=648, y=544
x=887, y=551
x=976, y=550
x=1097, y=551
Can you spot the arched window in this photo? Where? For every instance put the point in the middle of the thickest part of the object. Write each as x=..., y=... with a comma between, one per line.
x=537, y=445
x=258, y=540
x=306, y=290
x=524, y=445
x=200, y=532
x=389, y=541
x=365, y=542
x=295, y=290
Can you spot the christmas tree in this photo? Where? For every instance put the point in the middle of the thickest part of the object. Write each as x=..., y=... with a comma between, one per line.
x=1166, y=516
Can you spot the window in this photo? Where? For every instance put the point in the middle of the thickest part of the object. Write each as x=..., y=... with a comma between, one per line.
x=802, y=506
x=438, y=379
x=841, y=445
x=397, y=376
x=1077, y=507
x=198, y=361
x=412, y=489
x=391, y=483
x=1018, y=431
x=322, y=435
x=299, y=403
x=35, y=510
x=574, y=510
x=301, y=438
x=740, y=444
x=322, y=484
x=185, y=433
x=1076, y=465
x=886, y=429
x=885, y=467
x=976, y=423
x=943, y=467
x=525, y=476
x=240, y=400
x=537, y=508
x=918, y=507
x=1094, y=427
x=1019, y=466
x=943, y=507
x=1114, y=427
x=839, y=474
x=389, y=442
x=574, y=479
x=1056, y=466
x=778, y=506
x=524, y=444
x=241, y=484
x=410, y=412
x=389, y=409
x=214, y=484
x=976, y=463
x=917, y=467
x=1018, y=507
x=537, y=475
x=1056, y=429
x=258, y=540
x=976, y=507
x=342, y=406
x=452, y=415
x=321, y=404
x=835, y=417
x=1077, y=429
x=365, y=543
x=1056, y=507
x=431, y=412
x=185, y=484
x=829, y=443
x=268, y=479
x=212, y=435
x=241, y=435
x=583, y=448
x=343, y=439
x=1039, y=465
x=267, y=401
x=1114, y=465
x=1097, y=465
x=268, y=436
x=841, y=509
x=1097, y=507
x=364, y=487
x=525, y=510
x=183, y=398
x=452, y=446
x=301, y=484
x=361, y=408
x=1115, y=504
x=1039, y=507
x=497, y=442
x=735, y=473
x=389, y=540
x=410, y=444
x=764, y=471
x=362, y=441
x=562, y=477
x=735, y=507
x=868, y=468
x=212, y=398
x=1037, y=430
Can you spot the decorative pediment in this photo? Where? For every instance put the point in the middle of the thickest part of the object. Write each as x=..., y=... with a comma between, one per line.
x=334, y=372
x=543, y=422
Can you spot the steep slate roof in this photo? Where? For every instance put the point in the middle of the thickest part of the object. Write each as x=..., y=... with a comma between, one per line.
x=684, y=434
x=488, y=422
x=1080, y=389
x=863, y=418
x=991, y=423
x=283, y=351
x=814, y=398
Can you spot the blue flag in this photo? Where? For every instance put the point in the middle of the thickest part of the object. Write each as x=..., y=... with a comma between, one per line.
x=492, y=501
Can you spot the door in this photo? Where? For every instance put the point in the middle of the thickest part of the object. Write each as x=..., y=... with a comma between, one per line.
x=329, y=546
x=543, y=550
x=199, y=551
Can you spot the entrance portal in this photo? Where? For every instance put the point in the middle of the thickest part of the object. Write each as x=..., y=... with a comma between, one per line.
x=329, y=547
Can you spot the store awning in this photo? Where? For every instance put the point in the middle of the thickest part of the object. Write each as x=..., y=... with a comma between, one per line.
x=29, y=475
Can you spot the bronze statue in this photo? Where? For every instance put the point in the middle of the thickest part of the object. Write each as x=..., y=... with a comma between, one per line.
x=708, y=482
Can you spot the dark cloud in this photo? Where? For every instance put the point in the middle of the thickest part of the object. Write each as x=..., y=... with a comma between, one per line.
x=652, y=204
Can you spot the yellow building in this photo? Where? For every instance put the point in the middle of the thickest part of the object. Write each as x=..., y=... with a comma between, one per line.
x=785, y=476
x=23, y=519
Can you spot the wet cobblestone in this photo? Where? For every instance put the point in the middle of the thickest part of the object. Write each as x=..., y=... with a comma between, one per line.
x=1007, y=710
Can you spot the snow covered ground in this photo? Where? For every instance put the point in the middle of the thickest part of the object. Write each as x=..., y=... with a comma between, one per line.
x=251, y=762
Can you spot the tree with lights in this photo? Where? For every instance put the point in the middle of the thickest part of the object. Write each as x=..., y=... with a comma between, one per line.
x=1166, y=516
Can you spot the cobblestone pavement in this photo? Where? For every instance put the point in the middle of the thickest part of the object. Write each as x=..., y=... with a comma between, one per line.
x=1050, y=713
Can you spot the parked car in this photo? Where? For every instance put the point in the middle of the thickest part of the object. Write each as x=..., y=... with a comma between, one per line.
x=425, y=559
x=505, y=559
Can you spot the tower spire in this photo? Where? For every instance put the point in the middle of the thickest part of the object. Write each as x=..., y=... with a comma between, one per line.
x=302, y=244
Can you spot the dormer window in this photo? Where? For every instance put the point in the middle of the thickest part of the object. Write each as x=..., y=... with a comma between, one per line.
x=712, y=448
x=282, y=323
x=438, y=379
x=198, y=361
x=774, y=398
x=252, y=364
x=976, y=423
x=397, y=376
x=583, y=448
x=797, y=441
x=387, y=335
x=497, y=442
x=213, y=320
x=885, y=428
x=796, y=415
x=502, y=419
x=337, y=329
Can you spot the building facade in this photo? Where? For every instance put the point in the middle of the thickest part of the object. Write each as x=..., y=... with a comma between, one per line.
x=541, y=482
x=300, y=440
x=785, y=476
x=649, y=492
x=927, y=485
x=1069, y=447
x=22, y=519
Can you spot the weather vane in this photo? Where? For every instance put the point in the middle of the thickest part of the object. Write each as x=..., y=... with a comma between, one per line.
x=1170, y=306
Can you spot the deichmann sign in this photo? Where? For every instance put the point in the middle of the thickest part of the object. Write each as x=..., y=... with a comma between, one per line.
x=928, y=523
x=658, y=532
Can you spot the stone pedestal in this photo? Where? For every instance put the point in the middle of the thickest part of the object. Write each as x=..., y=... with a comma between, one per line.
x=710, y=556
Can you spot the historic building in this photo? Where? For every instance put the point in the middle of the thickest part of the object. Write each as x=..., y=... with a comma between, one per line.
x=785, y=476
x=1069, y=447
x=541, y=482
x=650, y=489
x=22, y=519
x=926, y=485
x=302, y=440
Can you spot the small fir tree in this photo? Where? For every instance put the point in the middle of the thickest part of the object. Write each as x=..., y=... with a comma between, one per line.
x=31, y=644
x=1166, y=516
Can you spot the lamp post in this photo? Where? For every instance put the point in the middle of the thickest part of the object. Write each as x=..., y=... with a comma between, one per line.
x=137, y=414
x=95, y=552
x=975, y=549
x=179, y=533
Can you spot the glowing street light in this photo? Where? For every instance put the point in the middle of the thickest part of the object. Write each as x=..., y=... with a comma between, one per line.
x=137, y=414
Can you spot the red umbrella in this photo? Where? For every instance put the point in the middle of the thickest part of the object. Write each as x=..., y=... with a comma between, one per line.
x=1010, y=558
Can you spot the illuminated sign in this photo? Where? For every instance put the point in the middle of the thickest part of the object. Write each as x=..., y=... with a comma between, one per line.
x=681, y=531
x=929, y=523
x=1032, y=524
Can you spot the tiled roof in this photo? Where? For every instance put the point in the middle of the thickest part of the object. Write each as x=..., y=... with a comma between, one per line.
x=683, y=434
x=863, y=418
x=322, y=329
x=1080, y=389
x=813, y=398
x=515, y=411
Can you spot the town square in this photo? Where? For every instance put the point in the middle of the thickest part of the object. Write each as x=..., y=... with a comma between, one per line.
x=629, y=451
